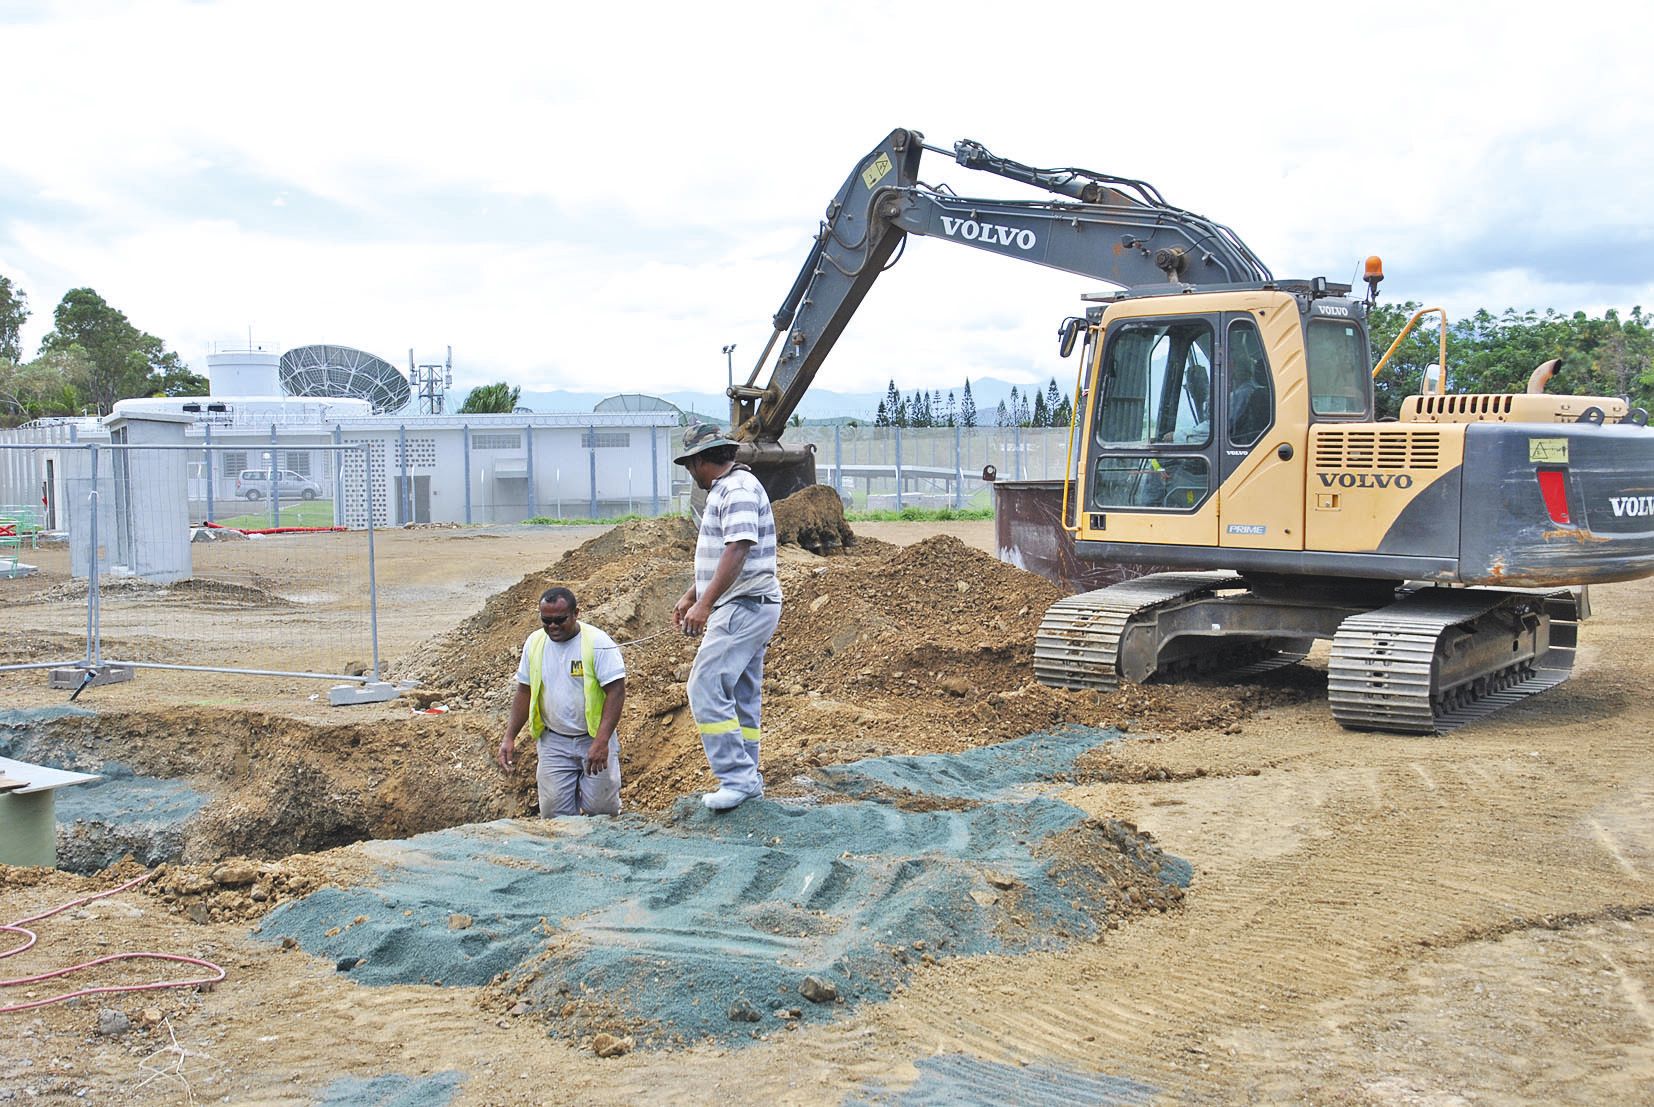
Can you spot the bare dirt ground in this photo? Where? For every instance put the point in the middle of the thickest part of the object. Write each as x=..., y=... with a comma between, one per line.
x=1372, y=919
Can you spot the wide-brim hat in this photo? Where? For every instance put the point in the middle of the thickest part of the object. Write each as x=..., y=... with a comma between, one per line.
x=700, y=437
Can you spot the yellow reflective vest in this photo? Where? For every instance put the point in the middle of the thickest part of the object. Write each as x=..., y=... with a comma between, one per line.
x=536, y=679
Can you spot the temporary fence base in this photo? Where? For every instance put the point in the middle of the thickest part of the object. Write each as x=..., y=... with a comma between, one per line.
x=90, y=676
x=342, y=695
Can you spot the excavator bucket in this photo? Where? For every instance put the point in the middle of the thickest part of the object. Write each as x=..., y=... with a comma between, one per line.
x=782, y=470
x=807, y=514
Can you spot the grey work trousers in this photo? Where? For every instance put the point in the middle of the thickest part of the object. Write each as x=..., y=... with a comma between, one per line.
x=726, y=690
x=565, y=786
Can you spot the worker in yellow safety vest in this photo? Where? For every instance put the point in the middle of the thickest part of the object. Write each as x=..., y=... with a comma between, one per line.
x=571, y=685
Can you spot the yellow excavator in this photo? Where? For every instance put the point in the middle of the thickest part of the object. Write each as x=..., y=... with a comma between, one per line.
x=1225, y=429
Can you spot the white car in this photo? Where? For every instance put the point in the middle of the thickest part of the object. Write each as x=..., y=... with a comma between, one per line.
x=254, y=484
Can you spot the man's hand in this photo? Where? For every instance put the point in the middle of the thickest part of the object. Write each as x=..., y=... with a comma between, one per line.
x=597, y=757
x=507, y=757
x=685, y=602
x=694, y=620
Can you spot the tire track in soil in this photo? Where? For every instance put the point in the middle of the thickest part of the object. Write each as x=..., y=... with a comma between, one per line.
x=1388, y=862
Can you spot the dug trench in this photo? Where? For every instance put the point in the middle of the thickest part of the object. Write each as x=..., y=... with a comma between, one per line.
x=894, y=671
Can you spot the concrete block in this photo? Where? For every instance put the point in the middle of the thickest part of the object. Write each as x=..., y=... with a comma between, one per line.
x=70, y=677
x=342, y=695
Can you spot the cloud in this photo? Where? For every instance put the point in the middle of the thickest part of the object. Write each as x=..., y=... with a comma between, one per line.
x=604, y=197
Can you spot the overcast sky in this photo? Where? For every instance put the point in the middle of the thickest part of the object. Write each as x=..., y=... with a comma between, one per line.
x=599, y=197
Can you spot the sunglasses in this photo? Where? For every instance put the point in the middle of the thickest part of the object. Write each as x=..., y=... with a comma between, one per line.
x=556, y=620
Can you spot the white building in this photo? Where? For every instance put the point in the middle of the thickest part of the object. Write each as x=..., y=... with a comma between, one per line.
x=411, y=468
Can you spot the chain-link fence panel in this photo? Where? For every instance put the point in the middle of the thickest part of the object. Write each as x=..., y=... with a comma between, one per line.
x=187, y=557
x=892, y=468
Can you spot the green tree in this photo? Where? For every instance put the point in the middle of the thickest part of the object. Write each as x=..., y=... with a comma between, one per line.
x=967, y=407
x=40, y=388
x=117, y=360
x=498, y=398
x=14, y=312
x=1064, y=415
x=1042, y=414
x=1497, y=353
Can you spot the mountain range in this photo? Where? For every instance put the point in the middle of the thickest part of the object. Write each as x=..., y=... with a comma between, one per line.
x=818, y=404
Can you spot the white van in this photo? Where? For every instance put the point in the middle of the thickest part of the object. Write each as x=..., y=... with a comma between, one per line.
x=254, y=484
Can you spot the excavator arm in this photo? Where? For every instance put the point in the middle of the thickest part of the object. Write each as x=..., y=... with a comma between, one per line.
x=1113, y=229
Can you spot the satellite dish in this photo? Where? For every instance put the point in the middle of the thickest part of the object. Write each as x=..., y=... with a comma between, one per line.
x=339, y=371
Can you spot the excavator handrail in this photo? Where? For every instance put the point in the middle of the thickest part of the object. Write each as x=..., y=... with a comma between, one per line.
x=1068, y=452
x=1441, y=371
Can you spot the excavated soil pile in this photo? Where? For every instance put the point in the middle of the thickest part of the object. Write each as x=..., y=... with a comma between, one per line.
x=922, y=649
x=198, y=785
x=813, y=518
x=253, y=593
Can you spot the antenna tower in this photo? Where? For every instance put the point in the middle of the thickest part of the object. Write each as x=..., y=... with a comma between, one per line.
x=431, y=382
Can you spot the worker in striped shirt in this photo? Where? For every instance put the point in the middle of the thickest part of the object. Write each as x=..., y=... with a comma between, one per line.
x=734, y=604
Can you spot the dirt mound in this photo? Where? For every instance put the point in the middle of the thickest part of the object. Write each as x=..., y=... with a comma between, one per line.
x=626, y=581
x=255, y=593
x=922, y=649
x=813, y=518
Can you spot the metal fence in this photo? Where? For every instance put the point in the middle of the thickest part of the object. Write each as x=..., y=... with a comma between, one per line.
x=145, y=587
x=896, y=467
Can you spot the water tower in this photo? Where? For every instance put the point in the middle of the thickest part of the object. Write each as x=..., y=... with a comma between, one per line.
x=244, y=372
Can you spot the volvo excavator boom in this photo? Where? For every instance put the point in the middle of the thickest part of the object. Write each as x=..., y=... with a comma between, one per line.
x=1113, y=229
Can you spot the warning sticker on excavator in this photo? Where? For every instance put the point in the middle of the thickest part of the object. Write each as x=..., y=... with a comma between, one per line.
x=1550, y=451
x=877, y=171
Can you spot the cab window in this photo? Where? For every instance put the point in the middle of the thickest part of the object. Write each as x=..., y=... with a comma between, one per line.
x=1251, y=394
x=1157, y=385
x=1153, y=416
x=1337, y=362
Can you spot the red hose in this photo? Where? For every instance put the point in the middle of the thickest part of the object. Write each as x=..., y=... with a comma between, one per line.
x=274, y=530
x=18, y=927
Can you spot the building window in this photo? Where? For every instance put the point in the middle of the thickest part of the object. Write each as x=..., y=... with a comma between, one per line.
x=600, y=440
x=299, y=461
x=234, y=461
x=496, y=441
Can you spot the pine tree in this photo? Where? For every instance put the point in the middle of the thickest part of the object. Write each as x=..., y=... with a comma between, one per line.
x=952, y=410
x=1002, y=417
x=881, y=418
x=1053, y=400
x=1023, y=416
x=967, y=407
x=1042, y=416
x=893, y=407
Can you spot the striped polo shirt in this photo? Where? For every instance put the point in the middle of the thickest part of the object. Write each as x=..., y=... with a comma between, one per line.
x=738, y=510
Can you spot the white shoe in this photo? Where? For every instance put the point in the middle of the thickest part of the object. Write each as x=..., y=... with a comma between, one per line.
x=724, y=799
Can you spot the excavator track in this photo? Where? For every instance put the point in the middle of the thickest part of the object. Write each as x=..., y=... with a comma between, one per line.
x=1078, y=642
x=1394, y=669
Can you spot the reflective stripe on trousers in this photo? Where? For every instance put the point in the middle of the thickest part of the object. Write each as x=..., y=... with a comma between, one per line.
x=726, y=690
